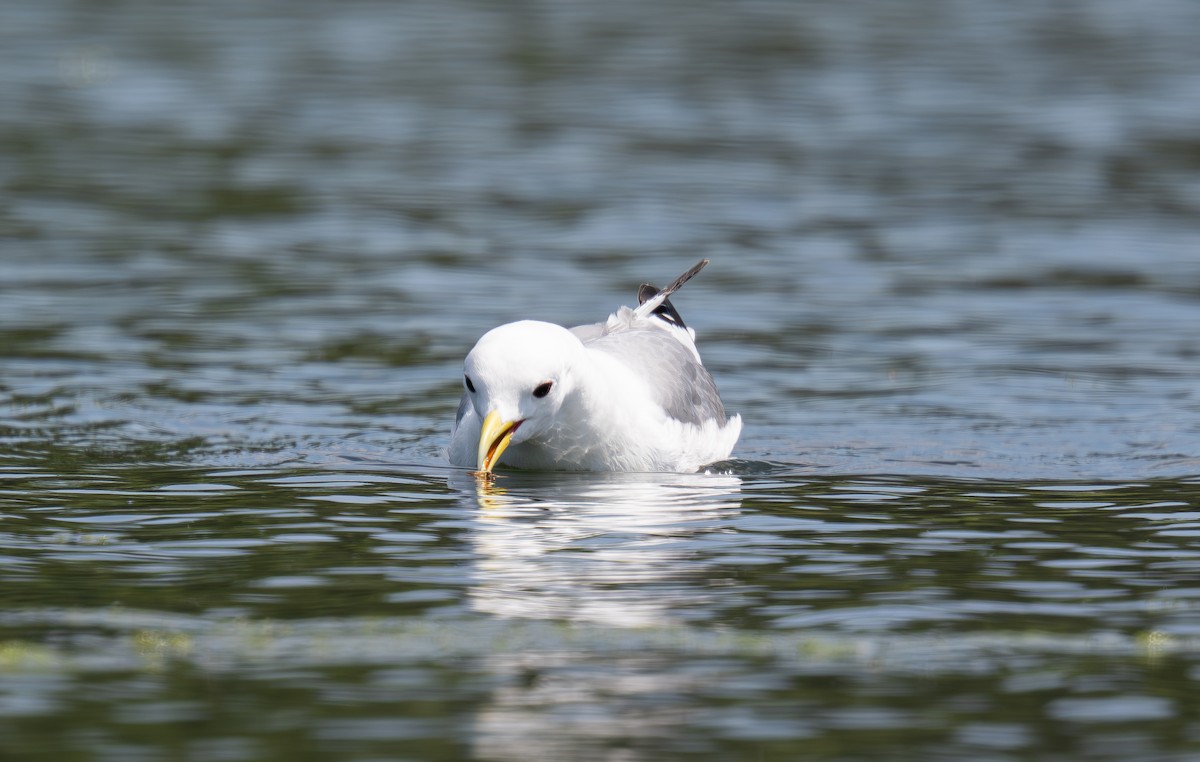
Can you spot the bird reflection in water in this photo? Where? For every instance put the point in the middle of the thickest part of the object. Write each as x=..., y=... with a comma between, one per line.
x=612, y=549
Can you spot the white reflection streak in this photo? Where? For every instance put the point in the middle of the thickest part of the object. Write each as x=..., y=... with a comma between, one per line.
x=614, y=550
x=605, y=549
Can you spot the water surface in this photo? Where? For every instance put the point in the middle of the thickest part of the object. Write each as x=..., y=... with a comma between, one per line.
x=244, y=249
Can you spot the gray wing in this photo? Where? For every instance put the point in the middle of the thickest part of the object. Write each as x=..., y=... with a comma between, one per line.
x=683, y=387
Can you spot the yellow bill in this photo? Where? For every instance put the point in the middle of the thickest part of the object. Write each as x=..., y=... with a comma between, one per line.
x=494, y=438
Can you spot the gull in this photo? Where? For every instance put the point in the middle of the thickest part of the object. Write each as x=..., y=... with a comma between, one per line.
x=628, y=394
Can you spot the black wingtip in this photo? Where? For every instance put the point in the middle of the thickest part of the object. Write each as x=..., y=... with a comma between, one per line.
x=666, y=311
x=676, y=284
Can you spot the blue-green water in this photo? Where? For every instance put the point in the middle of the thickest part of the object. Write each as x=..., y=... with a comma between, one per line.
x=954, y=291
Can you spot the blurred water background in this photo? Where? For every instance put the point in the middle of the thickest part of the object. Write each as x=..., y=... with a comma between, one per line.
x=954, y=294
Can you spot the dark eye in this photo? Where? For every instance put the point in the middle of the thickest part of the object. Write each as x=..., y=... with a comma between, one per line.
x=470, y=386
x=542, y=389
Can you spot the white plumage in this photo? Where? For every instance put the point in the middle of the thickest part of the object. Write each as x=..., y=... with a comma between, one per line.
x=629, y=394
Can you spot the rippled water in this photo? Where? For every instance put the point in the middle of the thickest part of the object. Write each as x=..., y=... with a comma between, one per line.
x=243, y=250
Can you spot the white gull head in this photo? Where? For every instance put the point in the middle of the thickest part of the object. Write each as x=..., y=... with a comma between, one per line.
x=517, y=378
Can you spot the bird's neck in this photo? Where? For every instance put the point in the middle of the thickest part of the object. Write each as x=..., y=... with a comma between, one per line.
x=600, y=417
